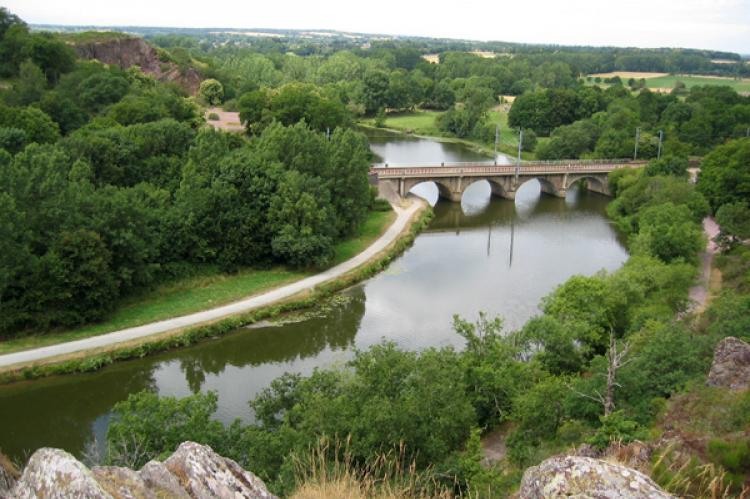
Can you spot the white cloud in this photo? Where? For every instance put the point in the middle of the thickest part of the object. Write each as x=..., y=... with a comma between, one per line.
x=718, y=24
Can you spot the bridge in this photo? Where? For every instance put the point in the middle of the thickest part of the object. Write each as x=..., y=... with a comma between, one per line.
x=452, y=179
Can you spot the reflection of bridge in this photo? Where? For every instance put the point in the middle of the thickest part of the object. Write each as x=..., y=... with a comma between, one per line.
x=452, y=179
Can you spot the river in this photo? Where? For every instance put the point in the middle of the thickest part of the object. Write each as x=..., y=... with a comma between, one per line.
x=483, y=254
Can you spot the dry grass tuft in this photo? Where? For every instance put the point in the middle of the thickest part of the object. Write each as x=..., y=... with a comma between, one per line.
x=330, y=472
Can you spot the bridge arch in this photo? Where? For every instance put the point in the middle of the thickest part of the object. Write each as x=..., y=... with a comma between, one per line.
x=595, y=183
x=547, y=185
x=444, y=189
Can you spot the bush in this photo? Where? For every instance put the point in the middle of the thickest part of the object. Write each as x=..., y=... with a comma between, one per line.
x=615, y=428
x=381, y=205
x=213, y=116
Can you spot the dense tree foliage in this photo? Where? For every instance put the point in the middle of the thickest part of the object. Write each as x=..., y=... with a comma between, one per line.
x=725, y=174
x=110, y=186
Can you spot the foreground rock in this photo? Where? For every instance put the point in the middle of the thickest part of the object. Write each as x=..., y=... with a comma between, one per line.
x=731, y=365
x=8, y=476
x=585, y=477
x=193, y=471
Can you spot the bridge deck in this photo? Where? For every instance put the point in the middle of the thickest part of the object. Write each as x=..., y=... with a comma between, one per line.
x=484, y=169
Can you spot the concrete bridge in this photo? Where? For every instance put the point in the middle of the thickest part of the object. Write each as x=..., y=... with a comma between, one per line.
x=452, y=179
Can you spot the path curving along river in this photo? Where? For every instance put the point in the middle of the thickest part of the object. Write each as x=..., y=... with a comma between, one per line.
x=483, y=254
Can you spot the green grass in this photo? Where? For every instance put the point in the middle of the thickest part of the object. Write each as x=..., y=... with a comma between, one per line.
x=374, y=226
x=692, y=81
x=420, y=122
x=206, y=289
x=689, y=81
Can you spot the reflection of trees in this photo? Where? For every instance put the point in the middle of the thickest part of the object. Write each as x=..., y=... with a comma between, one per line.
x=335, y=328
x=60, y=411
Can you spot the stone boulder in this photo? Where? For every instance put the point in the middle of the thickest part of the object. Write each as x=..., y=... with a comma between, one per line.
x=192, y=471
x=731, y=365
x=8, y=476
x=55, y=473
x=585, y=477
x=205, y=474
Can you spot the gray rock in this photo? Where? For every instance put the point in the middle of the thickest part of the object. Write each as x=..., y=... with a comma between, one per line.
x=585, y=477
x=205, y=474
x=731, y=365
x=193, y=471
x=8, y=476
x=159, y=479
x=53, y=473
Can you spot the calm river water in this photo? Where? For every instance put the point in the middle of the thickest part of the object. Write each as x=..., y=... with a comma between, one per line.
x=483, y=254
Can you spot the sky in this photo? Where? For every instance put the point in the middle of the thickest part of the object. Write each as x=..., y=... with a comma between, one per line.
x=711, y=24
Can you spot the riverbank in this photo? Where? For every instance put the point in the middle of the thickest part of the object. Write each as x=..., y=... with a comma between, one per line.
x=208, y=287
x=421, y=124
x=95, y=352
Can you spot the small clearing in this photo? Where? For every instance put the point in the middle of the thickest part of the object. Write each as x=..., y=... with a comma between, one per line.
x=228, y=121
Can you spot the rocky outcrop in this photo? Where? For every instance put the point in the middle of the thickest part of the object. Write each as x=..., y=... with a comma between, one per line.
x=731, y=365
x=193, y=471
x=585, y=477
x=8, y=476
x=130, y=51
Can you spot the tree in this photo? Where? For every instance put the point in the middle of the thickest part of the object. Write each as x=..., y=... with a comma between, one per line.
x=77, y=270
x=212, y=91
x=493, y=372
x=616, y=357
x=668, y=232
x=375, y=91
x=725, y=174
x=734, y=223
x=63, y=111
x=668, y=165
x=30, y=85
x=52, y=55
x=101, y=89
x=301, y=222
x=12, y=140
x=35, y=123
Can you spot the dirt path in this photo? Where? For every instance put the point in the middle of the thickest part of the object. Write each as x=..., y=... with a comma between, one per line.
x=699, y=293
x=404, y=216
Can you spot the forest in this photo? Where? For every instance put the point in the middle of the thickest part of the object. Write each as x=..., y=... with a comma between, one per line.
x=110, y=185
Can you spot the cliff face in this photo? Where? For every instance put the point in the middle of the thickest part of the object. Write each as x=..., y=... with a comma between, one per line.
x=127, y=52
x=193, y=471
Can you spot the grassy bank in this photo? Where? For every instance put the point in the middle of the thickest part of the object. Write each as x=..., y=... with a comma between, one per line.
x=206, y=289
x=422, y=123
x=93, y=360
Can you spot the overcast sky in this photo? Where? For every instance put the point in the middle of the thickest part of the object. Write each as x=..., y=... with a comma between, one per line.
x=715, y=24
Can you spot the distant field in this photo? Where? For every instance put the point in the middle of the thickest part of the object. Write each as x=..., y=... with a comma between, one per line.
x=626, y=75
x=663, y=82
x=692, y=81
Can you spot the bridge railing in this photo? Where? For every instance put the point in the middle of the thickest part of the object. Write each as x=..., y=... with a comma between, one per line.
x=524, y=163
